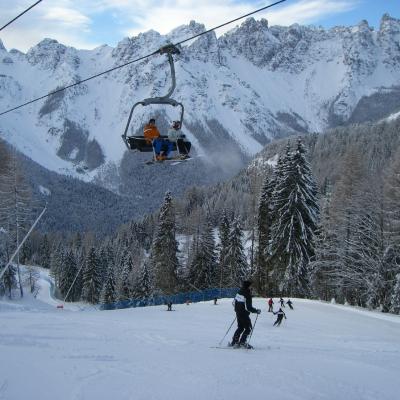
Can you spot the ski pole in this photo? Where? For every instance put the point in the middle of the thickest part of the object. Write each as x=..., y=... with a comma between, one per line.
x=227, y=332
x=251, y=333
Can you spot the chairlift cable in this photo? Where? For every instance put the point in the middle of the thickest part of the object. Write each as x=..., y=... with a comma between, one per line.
x=20, y=15
x=137, y=59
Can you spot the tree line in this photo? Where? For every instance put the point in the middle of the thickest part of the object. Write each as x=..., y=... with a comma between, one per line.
x=294, y=230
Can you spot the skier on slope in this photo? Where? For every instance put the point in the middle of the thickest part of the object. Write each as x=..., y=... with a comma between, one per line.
x=243, y=308
x=290, y=304
x=279, y=319
x=270, y=305
x=282, y=302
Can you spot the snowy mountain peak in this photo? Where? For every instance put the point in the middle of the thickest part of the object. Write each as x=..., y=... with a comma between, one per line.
x=389, y=23
x=242, y=89
x=2, y=48
x=185, y=31
x=48, y=54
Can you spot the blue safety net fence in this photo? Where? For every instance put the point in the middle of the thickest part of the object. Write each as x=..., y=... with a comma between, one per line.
x=180, y=298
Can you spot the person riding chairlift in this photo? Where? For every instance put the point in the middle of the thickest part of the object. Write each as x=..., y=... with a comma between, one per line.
x=175, y=135
x=152, y=135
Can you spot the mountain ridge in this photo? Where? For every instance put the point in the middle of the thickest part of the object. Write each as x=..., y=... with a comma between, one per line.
x=241, y=90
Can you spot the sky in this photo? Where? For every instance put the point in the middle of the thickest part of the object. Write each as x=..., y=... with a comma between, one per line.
x=86, y=24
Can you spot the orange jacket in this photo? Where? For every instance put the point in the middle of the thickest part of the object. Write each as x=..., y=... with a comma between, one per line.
x=151, y=132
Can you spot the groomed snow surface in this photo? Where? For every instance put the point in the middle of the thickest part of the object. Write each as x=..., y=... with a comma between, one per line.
x=322, y=351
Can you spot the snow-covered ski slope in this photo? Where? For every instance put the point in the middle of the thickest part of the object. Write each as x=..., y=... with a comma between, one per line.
x=321, y=351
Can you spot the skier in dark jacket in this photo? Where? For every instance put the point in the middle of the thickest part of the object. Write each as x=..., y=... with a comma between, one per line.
x=270, y=305
x=280, y=314
x=243, y=308
x=282, y=302
x=290, y=304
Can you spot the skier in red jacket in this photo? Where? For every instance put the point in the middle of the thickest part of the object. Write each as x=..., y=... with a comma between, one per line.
x=270, y=305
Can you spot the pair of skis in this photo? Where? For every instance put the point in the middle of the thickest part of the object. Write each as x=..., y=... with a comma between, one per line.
x=175, y=160
x=245, y=346
x=232, y=348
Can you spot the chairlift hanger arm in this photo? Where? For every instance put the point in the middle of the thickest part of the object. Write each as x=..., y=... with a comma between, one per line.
x=168, y=50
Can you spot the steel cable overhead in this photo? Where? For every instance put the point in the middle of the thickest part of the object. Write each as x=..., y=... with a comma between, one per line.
x=20, y=15
x=138, y=59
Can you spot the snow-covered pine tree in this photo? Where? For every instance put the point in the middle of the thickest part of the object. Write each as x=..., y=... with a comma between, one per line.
x=68, y=272
x=56, y=262
x=125, y=280
x=92, y=278
x=144, y=283
x=364, y=275
x=163, y=258
x=44, y=252
x=80, y=255
x=296, y=209
x=264, y=224
x=106, y=259
x=395, y=300
x=365, y=271
x=235, y=258
x=347, y=203
x=202, y=270
x=326, y=259
x=392, y=200
x=222, y=271
x=109, y=291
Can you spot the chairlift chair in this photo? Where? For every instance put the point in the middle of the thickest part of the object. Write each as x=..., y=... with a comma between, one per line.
x=139, y=143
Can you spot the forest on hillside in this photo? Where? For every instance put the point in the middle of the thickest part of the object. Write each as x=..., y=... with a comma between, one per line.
x=314, y=217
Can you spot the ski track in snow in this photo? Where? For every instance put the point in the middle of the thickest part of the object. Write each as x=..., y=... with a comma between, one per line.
x=322, y=351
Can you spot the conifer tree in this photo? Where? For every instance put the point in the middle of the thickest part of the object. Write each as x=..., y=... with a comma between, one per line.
x=293, y=230
x=164, y=260
x=80, y=256
x=395, y=300
x=67, y=278
x=103, y=263
x=326, y=258
x=125, y=280
x=109, y=292
x=92, y=278
x=264, y=224
x=44, y=252
x=144, y=284
x=222, y=270
x=203, y=266
x=235, y=257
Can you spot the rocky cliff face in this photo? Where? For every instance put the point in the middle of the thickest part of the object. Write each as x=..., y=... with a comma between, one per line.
x=251, y=85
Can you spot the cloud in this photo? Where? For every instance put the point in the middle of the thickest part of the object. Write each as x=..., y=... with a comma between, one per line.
x=85, y=23
x=309, y=11
x=66, y=16
x=60, y=21
x=163, y=16
x=166, y=16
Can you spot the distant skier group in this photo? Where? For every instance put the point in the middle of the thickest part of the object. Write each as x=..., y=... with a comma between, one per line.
x=280, y=313
x=243, y=305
